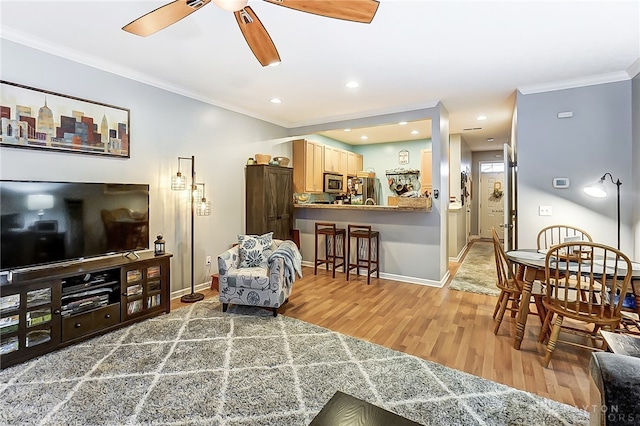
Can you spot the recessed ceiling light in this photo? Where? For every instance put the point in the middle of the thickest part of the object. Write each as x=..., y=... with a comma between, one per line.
x=482, y=117
x=490, y=140
x=403, y=123
x=363, y=137
x=352, y=84
x=414, y=132
x=275, y=101
x=347, y=130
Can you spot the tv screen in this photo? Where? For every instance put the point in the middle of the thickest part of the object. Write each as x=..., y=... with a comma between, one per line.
x=45, y=222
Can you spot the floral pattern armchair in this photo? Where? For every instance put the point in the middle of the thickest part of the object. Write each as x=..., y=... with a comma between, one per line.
x=262, y=285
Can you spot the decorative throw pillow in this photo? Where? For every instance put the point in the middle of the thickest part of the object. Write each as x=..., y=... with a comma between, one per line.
x=254, y=250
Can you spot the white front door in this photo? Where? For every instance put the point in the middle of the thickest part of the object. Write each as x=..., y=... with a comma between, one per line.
x=491, y=202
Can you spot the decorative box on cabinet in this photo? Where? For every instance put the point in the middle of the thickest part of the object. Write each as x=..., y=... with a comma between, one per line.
x=269, y=201
x=50, y=307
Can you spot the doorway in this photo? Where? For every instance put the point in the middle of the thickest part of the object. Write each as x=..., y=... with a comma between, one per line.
x=491, y=201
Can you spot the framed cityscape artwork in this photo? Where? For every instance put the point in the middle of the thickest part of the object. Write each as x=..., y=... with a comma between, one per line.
x=39, y=119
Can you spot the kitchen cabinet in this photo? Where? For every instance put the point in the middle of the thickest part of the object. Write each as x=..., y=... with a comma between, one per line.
x=332, y=157
x=269, y=201
x=308, y=166
x=426, y=174
x=354, y=163
x=344, y=167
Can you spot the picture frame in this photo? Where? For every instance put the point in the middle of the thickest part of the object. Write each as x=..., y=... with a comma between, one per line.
x=39, y=119
x=403, y=157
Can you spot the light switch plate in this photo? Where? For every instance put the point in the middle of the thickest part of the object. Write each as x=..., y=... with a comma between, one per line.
x=544, y=210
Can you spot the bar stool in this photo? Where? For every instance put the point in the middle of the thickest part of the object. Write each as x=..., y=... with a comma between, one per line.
x=365, y=239
x=333, y=247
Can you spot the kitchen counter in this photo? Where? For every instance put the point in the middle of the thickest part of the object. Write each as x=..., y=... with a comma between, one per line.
x=361, y=207
x=408, y=240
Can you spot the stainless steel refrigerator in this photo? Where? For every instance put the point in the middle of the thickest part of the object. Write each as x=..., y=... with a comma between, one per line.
x=363, y=190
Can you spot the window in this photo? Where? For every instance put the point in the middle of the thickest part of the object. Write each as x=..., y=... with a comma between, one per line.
x=492, y=167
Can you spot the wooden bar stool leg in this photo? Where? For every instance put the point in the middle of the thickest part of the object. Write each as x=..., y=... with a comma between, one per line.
x=315, y=252
x=370, y=262
x=326, y=252
x=348, y=254
x=377, y=257
x=333, y=256
x=358, y=256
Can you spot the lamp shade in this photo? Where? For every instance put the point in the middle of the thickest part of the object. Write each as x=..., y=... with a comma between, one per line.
x=39, y=201
x=178, y=182
x=597, y=189
x=203, y=208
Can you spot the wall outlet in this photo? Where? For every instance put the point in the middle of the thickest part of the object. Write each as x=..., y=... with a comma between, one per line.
x=544, y=210
x=207, y=261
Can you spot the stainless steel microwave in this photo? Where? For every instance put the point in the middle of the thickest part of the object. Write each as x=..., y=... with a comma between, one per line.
x=333, y=183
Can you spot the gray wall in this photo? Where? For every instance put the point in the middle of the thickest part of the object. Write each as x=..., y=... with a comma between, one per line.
x=163, y=126
x=636, y=161
x=597, y=139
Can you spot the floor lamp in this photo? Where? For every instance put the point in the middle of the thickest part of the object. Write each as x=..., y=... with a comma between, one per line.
x=179, y=183
x=598, y=190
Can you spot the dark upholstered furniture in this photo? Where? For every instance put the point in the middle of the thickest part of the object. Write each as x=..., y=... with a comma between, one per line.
x=617, y=381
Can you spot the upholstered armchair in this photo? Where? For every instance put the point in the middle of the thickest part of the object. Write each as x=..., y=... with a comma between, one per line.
x=267, y=284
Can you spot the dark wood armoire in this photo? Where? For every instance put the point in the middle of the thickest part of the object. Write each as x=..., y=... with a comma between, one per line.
x=269, y=200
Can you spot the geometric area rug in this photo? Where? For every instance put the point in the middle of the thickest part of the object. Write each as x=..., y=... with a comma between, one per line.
x=477, y=273
x=198, y=366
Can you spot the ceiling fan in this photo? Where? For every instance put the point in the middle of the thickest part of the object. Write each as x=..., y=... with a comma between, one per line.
x=254, y=32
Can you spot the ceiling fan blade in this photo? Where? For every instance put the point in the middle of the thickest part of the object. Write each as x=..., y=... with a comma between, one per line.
x=163, y=16
x=349, y=10
x=257, y=37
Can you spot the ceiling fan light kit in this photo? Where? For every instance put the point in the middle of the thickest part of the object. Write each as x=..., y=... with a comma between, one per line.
x=231, y=5
x=252, y=29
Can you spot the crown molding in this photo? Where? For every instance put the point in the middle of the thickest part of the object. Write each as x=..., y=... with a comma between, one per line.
x=634, y=69
x=117, y=69
x=571, y=84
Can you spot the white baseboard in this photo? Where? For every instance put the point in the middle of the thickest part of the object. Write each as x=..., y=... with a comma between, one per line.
x=179, y=293
x=459, y=257
x=402, y=278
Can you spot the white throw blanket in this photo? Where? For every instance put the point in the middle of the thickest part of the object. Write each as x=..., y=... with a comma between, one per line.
x=288, y=251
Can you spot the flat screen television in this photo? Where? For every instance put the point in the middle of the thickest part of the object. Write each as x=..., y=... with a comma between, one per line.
x=47, y=222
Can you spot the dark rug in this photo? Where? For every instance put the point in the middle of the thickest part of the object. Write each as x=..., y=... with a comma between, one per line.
x=200, y=366
x=477, y=273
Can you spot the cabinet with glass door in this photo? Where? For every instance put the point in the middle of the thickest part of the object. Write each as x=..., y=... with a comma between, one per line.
x=29, y=320
x=145, y=288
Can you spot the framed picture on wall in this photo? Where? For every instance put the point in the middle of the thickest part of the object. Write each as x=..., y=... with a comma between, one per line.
x=43, y=120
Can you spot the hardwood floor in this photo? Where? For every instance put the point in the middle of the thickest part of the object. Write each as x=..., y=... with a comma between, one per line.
x=450, y=327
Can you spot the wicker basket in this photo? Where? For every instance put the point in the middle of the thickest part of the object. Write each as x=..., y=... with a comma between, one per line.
x=263, y=158
x=415, y=203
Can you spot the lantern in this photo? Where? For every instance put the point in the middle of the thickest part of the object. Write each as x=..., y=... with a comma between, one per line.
x=158, y=246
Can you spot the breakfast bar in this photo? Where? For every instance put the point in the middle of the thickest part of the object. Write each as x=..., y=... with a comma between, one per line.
x=409, y=236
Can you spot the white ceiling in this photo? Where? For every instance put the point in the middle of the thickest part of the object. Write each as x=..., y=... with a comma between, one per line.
x=470, y=55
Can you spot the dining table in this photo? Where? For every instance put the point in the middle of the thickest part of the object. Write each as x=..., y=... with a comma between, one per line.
x=531, y=267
